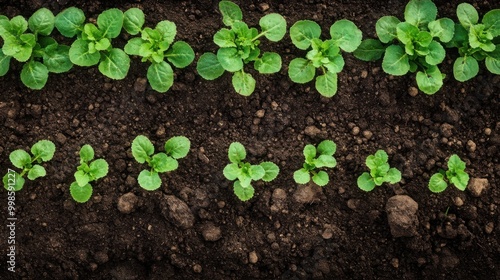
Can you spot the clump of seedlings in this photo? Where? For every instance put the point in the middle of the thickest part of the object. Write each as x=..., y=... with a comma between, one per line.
x=455, y=175
x=316, y=158
x=380, y=172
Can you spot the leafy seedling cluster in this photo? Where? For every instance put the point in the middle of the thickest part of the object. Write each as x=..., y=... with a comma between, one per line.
x=42, y=151
x=417, y=45
x=144, y=152
x=316, y=158
x=324, y=55
x=380, y=172
x=455, y=175
x=476, y=42
x=29, y=42
x=156, y=45
x=239, y=45
x=88, y=171
x=244, y=173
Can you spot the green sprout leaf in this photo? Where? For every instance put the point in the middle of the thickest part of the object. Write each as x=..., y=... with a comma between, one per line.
x=86, y=153
x=149, y=180
x=301, y=70
x=20, y=158
x=230, y=12
x=327, y=84
x=321, y=178
x=346, y=35
x=430, y=80
x=327, y=147
x=303, y=31
x=114, y=64
x=236, y=152
x=386, y=28
x=443, y=29
x=243, y=83
x=256, y=172
x=98, y=169
x=168, y=30
x=224, y=38
x=56, y=58
x=80, y=54
x=420, y=12
x=42, y=22
x=80, y=194
x=380, y=172
x=437, y=183
x=243, y=193
x=232, y=171
x=36, y=171
x=177, y=147
x=269, y=63
x=271, y=171
x=133, y=20
x=492, y=61
x=110, y=22
x=142, y=149
x=34, y=75
x=13, y=184
x=365, y=182
x=325, y=161
x=160, y=76
x=4, y=63
x=369, y=50
x=230, y=59
x=467, y=15
x=301, y=176
x=161, y=162
x=436, y=53
x=180, y=54
x=465, y=68
x=43, y=150
x=491, y=21
x=70, y=21
x=393, y=176
x=396, y=61
x=273, y=27
x=82, y=178
x=209, y=67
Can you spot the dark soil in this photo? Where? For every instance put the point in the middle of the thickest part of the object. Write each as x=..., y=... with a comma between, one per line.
x=343, y=234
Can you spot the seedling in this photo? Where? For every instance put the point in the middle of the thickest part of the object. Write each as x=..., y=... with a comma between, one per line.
x=323, y=55
x=238, y=46
x=314, y=160
x=244, y=172
x=154, y=46
x=89, y=170
x=417, y=45
x=29, y=42
x=143, y=151
x=476, y=42
x=42, y=151
x=93, y=43
x=455, y=175
x=380, y=172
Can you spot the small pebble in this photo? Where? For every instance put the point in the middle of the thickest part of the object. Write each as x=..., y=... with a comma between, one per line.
x=458, y=201
x=140, y=84
x=126, y=203
x=367, y=134
x=260, y=113
x=489, y=227
x=252, y=257
x=471, y=146
x=413, y=91
x=263, y=7
x=487, y=131
x=355, y=130
x=197, y=268
x=364, y=74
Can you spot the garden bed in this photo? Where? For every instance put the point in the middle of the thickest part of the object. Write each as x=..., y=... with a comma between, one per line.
x=341, y=232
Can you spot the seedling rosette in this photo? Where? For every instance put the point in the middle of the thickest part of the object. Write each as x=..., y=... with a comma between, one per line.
x=316, y=158
x=243, y=173
x=156, y=45
x=413, y=45
x=323, y=55
x=455, y=175
x=239, y=45
x=380, y=172
x=88, y=171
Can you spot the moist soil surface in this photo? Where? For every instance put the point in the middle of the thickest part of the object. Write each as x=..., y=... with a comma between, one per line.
x=194, y=227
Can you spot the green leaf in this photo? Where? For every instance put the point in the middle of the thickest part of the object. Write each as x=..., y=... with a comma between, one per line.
x=56, y=58
x=22, y=48
x=436, y=53
x=180, y=54
x=208, y=67
x=301, y=176
x=269, y=63
x=443, y=28
x=430, y=80
x=408, y=33
x=243, y=193
x=365, y=182
x=230, y=12
x=161, y=162
x=420, y=12
x=378, y=159
x=224, y=38
x=160, y=76
x=80, y=54
x=386, y=28
x=465, y=68
x=44, y=150
x=13, y=184
x=70, y=21
x=102, y=44
x=149, y=180
x=4, y=63
x=114, y=64
x=256, y=172
x=133, y=20
x=20, y=158
x=326, y=84
x=303, y=31
x=80, y=194
x=42, y=21
x=396, y=61
x=393, y=176
x=491, y=21
x=467, y=15
x=18, y=25
x=82, y=178
x=492, y=61
x=273, y=27
x=460, y=180
x=327, y=147
x=36, y=171
x=336, y=64
x=301, y=70
x=177, y=147
x=236, y=152
x=133, y=46
x=271, y=171
x=346, y=35
x=369, y=50
x=110, y=22
x=86, y=153
x=325, y=161
x=437, y=183
x=168, y=30
x=309, y=153
x=232, y=171
x=99, y=168
x=455, y=163
x=243, y=83
x=321, y=178
x=230, y=59
x=142, y=148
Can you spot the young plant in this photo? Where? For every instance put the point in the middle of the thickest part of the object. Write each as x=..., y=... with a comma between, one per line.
x=42, y=151
x=244, y=172
x=89, y=170
x=93, y=43
x=154, y=46
x=324, y=55
x=476, y=42
x=380, y=172
x=455, y=175
x=29, y=42
x=143, y=151
x=417, y=45
x=239, y=46
x=315, y=159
